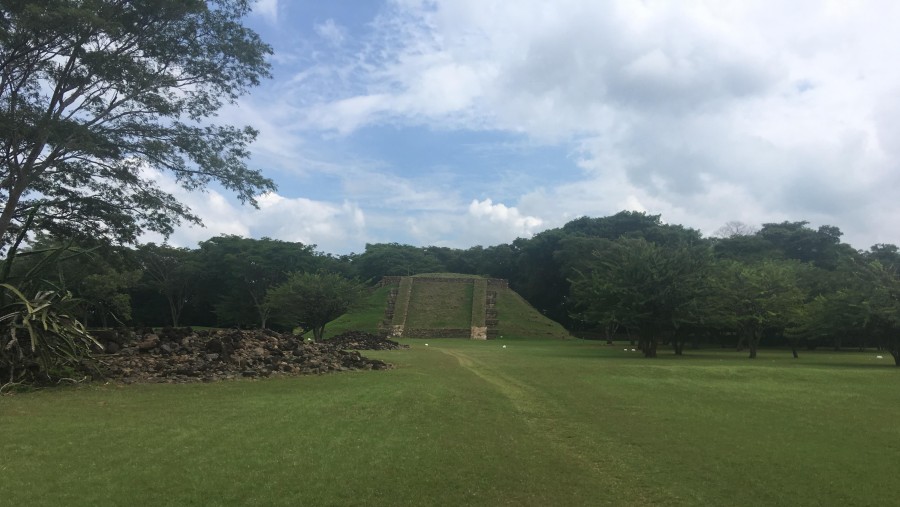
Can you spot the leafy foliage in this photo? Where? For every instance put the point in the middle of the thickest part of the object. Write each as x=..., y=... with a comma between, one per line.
x=97, y=96
x=238, y=272
x=312, y=300
x=752, y=298
x=39, y=340
x=649, y=289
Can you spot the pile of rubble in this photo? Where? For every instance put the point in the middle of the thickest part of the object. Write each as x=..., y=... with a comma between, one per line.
x=357, y=340
x=184, y=355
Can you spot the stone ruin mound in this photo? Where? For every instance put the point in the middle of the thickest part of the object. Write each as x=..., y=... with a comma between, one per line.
x=357, y=340
x=183, y=355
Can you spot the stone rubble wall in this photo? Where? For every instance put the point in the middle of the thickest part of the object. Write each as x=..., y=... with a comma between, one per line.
x=175, y=355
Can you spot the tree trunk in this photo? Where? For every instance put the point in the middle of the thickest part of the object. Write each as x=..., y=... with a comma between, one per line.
x=649, y=346
x=173, y=311
x=753, y=342
x=896, y=354
x=678, y=343
x=318, y=332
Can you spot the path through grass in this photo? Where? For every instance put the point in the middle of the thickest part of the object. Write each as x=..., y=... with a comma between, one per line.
x=461, y=422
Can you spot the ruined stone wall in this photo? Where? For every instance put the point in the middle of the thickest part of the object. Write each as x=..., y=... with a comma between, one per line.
x=437, y=333
x=389, y=280
x=497, y=283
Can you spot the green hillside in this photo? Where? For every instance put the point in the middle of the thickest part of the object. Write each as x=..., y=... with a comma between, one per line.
x=364, y=317
x=440, y=305
x=519, y=320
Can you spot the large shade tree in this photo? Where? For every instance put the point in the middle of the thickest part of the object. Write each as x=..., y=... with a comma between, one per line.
x=97, y=96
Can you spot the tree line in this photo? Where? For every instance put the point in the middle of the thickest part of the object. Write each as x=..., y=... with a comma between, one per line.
x=628, y=275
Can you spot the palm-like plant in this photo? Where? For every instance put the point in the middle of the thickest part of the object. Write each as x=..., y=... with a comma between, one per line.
x=39, y=339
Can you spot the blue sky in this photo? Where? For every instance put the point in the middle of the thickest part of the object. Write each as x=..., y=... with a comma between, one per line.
x=467, y=122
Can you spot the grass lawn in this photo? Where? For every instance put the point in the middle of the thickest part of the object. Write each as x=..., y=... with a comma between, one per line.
x=519, y=320
x=472, y=423
x=365, y=317
x=440, y=306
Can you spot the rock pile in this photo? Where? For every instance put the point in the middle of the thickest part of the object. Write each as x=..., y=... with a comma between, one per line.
x=190, y=356
x=357, y=340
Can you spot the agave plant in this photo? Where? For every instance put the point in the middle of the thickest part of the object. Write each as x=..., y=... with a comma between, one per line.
x=39, y=340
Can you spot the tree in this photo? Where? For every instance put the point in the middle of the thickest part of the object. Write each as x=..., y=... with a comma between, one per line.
x=649, y=289
x=238, y=272
x=735, y=229
x=752, y=298
x=171, y=272
x=312, y=300
x=795, y=240
x=95, y=95
x=883, y=301
x=394, y=259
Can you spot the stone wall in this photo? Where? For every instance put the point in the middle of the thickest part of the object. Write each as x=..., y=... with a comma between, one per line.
x=437, y=333
x=389, y=280
x=401, y=306
x=497, y=283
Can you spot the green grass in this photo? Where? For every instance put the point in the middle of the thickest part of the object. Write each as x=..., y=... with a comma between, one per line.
x=363, y=318
x=471, y=423
x=519, y=320
x=440, y=305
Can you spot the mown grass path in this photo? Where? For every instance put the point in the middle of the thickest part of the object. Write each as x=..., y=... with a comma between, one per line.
x=473, y=423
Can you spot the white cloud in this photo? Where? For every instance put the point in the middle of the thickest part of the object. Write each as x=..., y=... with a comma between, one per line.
x=508, y=219
x=332, y=227
x=267, y=9
x=332, y=32
x=702, y=111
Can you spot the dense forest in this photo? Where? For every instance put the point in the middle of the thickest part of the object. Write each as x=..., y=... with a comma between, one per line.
x=627, y=276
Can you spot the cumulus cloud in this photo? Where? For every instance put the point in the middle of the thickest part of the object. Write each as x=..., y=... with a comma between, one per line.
x=787, y=111
x=510, y=220
x=339, y=228
x=704, y=112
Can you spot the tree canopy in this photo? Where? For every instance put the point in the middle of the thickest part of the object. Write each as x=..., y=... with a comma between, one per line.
x=312, y=300
x=98, y=96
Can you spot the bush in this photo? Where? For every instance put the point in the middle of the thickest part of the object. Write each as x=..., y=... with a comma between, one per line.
x=39, y=340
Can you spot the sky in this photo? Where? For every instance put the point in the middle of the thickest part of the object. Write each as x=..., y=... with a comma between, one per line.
x=475, y=122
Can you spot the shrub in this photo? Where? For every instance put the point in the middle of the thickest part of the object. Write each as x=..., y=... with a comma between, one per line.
x=39, y=340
